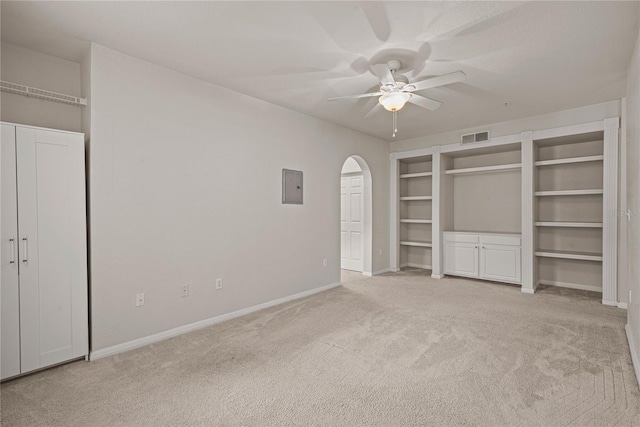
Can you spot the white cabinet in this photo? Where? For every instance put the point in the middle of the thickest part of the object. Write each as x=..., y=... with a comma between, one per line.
x=483, y=255
x=44, y=259
x=461, y=255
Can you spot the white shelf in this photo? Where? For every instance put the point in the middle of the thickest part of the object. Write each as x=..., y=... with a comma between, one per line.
x=585, y=256
x=569, y=224
x=420, y=244
x=481, y=169
x=415, y=175
x=408, y=198
x=416, y=221
x=569, y=160
x=568, y=193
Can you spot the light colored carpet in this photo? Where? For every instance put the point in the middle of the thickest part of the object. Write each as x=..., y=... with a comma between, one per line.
x=394, y=350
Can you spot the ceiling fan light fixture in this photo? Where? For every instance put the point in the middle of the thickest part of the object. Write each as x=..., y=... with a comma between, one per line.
x=394, y=101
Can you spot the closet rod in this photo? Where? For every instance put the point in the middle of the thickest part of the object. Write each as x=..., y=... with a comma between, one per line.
x=41, y=94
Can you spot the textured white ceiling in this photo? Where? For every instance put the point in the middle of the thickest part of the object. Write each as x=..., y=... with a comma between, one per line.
x=538, y=56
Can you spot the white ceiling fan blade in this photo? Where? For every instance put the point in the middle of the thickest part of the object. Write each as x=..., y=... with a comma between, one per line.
x=383, y=72
x=445, y=79
x=375, y=110
x=424, y=102
x=364, y=95
x=377, y=16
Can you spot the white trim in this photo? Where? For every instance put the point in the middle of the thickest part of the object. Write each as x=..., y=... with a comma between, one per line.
x=528, y=291
x=399, y=155
x=161, y=336
x=493, y=142
x=635, y=358
x=414, y=265
x=609, y=206
x=569, y=130
x=437, y=276
x=578, y=286
x=623, y=305
x=529, y=263
x=375, y=273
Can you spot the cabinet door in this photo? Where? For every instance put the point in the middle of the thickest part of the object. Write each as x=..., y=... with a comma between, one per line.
x=53, y=262
x=501, y=263
x=461, y=259
x=9, y=292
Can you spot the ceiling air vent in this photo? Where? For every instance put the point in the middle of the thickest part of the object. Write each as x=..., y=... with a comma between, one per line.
x=475, y=137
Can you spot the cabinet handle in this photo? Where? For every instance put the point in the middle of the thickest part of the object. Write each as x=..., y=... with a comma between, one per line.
x=13, y=251
x=26, y=249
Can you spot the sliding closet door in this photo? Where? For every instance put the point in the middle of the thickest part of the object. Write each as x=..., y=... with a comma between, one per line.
x=53, y=271
x=9, y=294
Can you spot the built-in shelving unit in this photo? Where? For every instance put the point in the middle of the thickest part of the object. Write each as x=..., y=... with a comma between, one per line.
x=414, y=201
x=474, y=179
x=555, y=190
x=569, y=210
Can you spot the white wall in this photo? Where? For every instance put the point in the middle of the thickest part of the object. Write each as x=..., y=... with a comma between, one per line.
x=26, y=67
x=633, y=203
x=185, y=183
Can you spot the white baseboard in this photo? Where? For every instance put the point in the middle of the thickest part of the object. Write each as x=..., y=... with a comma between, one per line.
x=528, y=291
x=571, y=286
x=161, y=336
x=635, y=358
x=367, y=273
x=410, y=264
x=622, y=305
x=375, y=273
x=437, y=276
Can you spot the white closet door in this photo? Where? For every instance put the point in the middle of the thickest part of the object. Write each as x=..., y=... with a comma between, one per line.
x=352, y=223
x=9, y=293
x=52, y=228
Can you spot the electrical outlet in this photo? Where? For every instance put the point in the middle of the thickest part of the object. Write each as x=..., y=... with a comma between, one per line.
x=324, y=262
x=139, y=300
x=218, y=284
x=185, y=291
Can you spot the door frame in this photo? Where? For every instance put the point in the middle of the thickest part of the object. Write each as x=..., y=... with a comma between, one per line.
x=367, y=241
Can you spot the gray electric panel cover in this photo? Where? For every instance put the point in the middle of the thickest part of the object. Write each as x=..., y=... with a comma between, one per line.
x=291, y=187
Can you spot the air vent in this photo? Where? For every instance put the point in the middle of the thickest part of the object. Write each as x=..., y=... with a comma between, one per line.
x=41, y=94
x=475, y=137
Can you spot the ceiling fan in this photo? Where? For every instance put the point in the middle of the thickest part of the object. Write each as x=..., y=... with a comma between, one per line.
x=396, y=90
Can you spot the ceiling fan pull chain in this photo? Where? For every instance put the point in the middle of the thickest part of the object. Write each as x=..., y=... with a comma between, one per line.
x=395, y=123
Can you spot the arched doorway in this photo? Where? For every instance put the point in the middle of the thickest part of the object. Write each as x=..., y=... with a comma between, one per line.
x=355, y=216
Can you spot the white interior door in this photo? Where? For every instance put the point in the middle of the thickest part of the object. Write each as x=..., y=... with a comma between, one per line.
x=10, y=291
x=52, y=232
x=352, y=222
